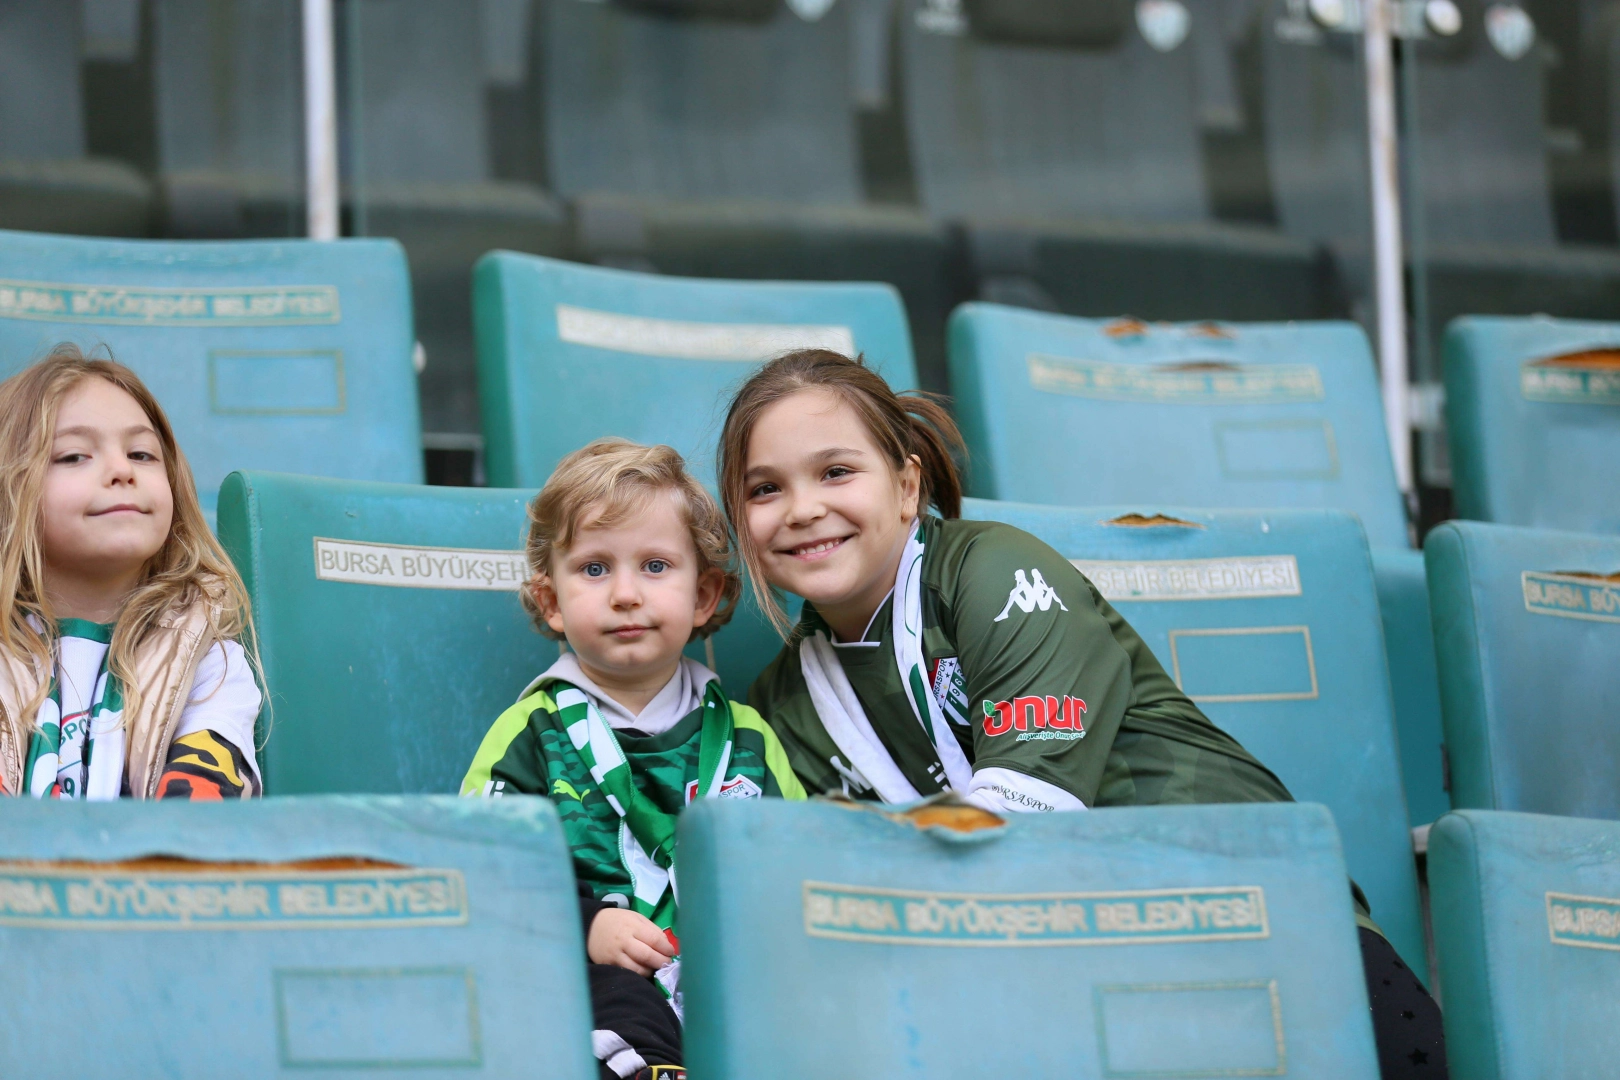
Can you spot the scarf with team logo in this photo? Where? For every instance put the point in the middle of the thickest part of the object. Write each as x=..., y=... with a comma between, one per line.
x=646, y=833
x=841, y=712
x=99, y=775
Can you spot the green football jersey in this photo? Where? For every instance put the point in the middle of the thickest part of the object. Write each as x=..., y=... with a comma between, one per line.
x=528, y=751
x=1036, y=673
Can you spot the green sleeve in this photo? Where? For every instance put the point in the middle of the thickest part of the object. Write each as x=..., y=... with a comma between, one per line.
x=777, y=767
x=1047, y=682
x=510, y=758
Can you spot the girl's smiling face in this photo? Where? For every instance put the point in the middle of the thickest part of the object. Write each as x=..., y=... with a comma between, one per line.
x=106, y=505
x=827, y=512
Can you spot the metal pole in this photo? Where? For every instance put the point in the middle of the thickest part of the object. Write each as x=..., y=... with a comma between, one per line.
x=1387, y=259
x=320, y=121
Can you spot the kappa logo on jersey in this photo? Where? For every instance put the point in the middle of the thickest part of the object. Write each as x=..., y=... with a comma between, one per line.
x=738, y=787
x=1029, y=595
x=1036, y=718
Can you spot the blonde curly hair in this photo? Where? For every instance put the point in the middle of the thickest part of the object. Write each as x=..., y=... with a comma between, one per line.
x=606, y=482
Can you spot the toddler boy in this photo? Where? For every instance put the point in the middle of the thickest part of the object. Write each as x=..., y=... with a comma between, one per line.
x=631, y=561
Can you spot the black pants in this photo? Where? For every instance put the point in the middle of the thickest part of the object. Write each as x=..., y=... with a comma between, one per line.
x=633, y=1009
x=1406, y=1020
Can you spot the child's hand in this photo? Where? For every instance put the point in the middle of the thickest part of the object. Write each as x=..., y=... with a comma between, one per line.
x=627, y=940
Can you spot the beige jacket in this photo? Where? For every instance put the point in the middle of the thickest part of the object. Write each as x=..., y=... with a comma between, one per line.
x=165, y=667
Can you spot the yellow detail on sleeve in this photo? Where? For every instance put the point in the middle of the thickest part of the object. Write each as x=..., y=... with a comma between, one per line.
x=776, y=759
x=507, y=727
x=205, y=743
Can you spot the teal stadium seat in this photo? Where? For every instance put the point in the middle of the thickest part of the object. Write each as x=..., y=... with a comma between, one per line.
x=383, y=937
x=1526, y=925
x=569, y=353
x=1533, y=412
x=388, y=624
x=1527, y=632
x=1098, y=210
x=1087, y=412
x=1221, y=944
x=1269, y=621
x=289, y=354
x=48, y=179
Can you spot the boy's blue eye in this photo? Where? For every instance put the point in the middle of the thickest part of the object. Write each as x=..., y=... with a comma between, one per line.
x=657, y=566
x=594, y=569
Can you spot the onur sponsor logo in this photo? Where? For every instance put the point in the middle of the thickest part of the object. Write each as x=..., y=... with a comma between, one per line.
x=1030, y=593
x=1036, y=718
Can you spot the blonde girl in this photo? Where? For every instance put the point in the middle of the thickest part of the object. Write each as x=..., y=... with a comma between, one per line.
x=936, y=654
x=121, y=668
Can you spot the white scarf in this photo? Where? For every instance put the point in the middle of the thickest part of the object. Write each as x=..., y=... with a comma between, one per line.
x=841, y=712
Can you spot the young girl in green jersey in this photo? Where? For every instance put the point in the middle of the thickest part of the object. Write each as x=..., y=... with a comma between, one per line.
x=631, y=562
x=936, y=654
x=121, y=668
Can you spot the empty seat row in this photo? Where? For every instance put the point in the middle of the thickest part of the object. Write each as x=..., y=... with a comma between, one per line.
x=406, y=935
x=756, y=166
x=430, y=936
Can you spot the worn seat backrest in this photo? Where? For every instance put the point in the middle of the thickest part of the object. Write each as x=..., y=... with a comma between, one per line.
x=1085, y=412
x=285, y=354
x=388, y=624
x=1221, y=944
x=1533, y=416
x=1269, y=621
x=1525, y=915
x=1526, y=632
x=394, y=937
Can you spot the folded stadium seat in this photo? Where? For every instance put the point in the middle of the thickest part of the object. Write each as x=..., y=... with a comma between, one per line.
x=1533, y=415
x=1222, y=943
x=718, y=138
x=569, y=353
x=1064, y=135
x=421, y=172
x=395, y=937
x=1269, y=621
x=1083, y=412
x=418, y=161
x=1526, y=910
x=1484, y=213
x=227, y=89
x=47, y=181
x=388, y=624
x=286, y=353
x=1526, y=630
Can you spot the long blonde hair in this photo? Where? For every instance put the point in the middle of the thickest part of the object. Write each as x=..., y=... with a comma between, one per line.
x=190, y=566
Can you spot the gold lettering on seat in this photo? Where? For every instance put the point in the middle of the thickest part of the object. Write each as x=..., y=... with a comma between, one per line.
x=1573, y=594
x=1587, y=377
x=1237, y=577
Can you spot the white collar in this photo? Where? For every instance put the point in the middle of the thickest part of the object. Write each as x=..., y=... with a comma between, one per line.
x=679, y=696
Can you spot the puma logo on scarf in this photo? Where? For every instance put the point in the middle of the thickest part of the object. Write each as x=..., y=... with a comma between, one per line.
x=1029, y=596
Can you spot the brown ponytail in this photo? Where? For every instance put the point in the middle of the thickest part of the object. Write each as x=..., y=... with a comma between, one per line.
x=906, y=425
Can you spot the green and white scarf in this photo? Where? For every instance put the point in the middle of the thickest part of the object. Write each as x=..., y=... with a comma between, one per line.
x=841, y=712
x=83, y=725
x=646, y=833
